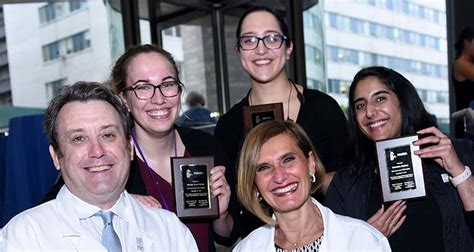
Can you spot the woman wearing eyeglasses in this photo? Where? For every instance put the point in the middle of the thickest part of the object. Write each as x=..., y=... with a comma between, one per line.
x=264, y=46
x=146, y=77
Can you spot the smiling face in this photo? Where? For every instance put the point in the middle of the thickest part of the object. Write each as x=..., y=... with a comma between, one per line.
x=283, y=174
x=156, y=115
x=95, y=156
x=263, y=64
x=377, y=110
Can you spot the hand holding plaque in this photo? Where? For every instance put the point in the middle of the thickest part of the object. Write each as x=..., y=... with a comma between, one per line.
x=400, y=170
x=191, y=183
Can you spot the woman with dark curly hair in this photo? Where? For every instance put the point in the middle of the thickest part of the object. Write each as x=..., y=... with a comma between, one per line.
x=383, y=104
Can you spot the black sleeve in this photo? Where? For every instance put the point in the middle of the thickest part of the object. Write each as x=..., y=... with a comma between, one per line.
x=334, y=155
x=325, y=123
x=135, y=183
x=334, y=196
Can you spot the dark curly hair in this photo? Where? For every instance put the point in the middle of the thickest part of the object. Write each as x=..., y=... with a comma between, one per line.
x=414, y=115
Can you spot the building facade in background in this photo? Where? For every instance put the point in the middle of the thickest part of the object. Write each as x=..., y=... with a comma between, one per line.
x=62, y=42
x=56, y=44
x=407, y=36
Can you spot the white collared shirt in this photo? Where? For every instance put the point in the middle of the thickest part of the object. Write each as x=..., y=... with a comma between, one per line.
x=67, y=224
x=341, y=233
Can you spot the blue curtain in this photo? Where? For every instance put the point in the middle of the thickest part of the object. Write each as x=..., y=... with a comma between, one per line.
x=3, y=149
x=29, y=170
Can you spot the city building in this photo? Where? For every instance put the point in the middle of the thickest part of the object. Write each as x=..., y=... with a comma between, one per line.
x=407, y=36
x=57, y=44
x=77, y=40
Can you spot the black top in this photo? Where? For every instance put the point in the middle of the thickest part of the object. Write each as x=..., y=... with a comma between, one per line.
x=197, y=143
x=319, y=115
x=419, y=213
x=355, y=192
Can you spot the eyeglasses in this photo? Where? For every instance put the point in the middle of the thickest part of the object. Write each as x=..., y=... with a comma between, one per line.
x=145, y=91
x=273, y=41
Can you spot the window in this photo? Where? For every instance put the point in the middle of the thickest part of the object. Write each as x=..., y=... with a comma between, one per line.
x=59, y=9
x=47, y=13
x=338, y=86
x=54, y=87
x=356, y=25
x=76, y=5
x=332, y=20
x=355, y=57
x=50, y=51
x=72, y=44
x=315, y=84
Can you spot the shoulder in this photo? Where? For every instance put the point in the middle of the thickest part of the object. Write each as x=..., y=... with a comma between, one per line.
x=197, y=142
x=351, y=176
x=319, y=106
x=260, y=239
x=351, y=233
x=193, y=134
x=318, y=97
x=231, y=116
x=44, y=213
x=152, y=218
x=28, y=225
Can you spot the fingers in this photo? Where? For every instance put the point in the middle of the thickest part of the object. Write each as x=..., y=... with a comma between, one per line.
x=432, y=130
x=219, y=185
x=147, y=200
x=432, y=140
x=398, y=225
x=389, y=220
x=439, y=150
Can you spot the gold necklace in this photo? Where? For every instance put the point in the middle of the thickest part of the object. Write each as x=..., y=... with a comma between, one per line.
x=295, y=244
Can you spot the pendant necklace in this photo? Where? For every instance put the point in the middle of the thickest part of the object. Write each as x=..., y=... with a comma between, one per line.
x=148, y=168
x=287, y=106
x=295, y=244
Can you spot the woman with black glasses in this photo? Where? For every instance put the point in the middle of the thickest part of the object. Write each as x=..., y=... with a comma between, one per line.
x=146, y=78
x=263, y=45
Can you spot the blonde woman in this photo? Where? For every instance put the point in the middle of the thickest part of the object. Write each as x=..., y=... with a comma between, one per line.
x=278, y=171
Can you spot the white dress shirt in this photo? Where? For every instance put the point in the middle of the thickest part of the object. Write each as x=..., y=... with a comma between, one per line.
x=68, y=224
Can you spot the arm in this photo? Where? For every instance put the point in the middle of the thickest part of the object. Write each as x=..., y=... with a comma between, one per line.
x=443, y=153
x=221, y=189
x=464, y=68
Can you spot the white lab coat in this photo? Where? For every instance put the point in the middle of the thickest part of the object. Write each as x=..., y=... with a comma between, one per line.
x=55, y=226
x=341, y=233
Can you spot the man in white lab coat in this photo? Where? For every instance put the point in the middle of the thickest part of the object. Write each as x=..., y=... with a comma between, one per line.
x=88, y=129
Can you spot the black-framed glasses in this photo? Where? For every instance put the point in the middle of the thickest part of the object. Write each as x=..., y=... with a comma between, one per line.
x=145, y=91
x=272, y=41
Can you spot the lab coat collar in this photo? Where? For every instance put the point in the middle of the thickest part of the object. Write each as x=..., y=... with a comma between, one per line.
x=71, y=209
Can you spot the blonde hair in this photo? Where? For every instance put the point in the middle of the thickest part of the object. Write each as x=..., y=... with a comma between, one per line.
x=250, y=153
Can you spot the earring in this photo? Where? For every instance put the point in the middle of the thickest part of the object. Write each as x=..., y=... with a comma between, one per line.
x=259, y=197
x=313, y=178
